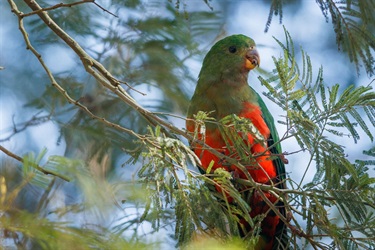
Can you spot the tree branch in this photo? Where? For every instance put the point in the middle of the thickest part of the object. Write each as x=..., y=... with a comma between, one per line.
x=34, y=121
x=36, y=166
x=56, y=6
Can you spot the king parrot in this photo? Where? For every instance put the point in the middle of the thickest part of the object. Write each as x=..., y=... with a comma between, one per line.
x=223, y=90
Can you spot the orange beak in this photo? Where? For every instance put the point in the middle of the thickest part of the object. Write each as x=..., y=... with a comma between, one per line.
x=252, y=59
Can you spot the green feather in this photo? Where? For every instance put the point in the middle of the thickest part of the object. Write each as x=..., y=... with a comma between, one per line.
x=281, y=231
x=274, y=137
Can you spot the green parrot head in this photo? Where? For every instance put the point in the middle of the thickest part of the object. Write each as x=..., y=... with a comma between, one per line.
x=222, y=83
x=232, y=56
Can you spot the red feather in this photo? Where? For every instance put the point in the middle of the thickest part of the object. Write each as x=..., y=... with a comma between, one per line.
x=262, y=172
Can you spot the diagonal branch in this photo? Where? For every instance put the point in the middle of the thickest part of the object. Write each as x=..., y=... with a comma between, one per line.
x=56, y=6
x=44, y=171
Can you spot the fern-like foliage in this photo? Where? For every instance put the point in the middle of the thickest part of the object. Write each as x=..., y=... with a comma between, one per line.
x=171, y=186
x=276, y=8
x=47, y=224
x=353, y=23
x=316, y=113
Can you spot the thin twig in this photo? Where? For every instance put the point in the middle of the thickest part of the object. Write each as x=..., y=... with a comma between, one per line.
x=56, y=6
x=105, y=10
x=129, y=86
x=69, y=5
x=36, y=166
x=35, y=120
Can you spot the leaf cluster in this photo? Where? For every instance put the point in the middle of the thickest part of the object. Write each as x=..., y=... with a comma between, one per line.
x=315, y=114
x=353, y=23
x=171, y=186
x=48, y=224
x=199, y=209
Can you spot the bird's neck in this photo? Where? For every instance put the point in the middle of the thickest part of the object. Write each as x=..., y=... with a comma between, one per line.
x=229, y=96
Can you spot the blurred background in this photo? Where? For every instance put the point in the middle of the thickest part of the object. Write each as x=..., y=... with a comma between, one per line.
x=157, y=47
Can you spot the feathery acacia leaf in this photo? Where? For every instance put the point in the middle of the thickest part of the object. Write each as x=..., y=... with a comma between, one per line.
x=320, y=110
x=353, y=24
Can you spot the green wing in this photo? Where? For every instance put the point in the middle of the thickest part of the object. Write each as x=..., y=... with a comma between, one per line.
x=281, y=231
x=274, y=137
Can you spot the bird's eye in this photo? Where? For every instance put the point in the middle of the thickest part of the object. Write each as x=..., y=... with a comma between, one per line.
x=232, y=49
